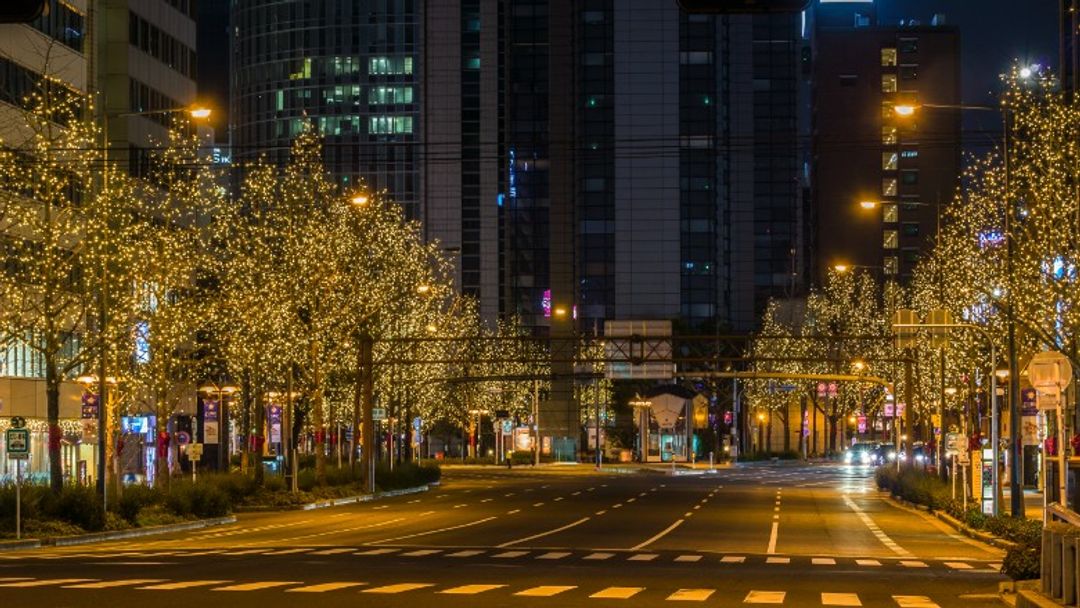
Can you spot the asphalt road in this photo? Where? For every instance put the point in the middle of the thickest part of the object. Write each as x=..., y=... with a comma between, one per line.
x=793, y=536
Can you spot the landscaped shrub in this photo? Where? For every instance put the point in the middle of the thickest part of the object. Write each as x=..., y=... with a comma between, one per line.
x=135, y=498
x=1022, y=562
x=199, y=500
x=406, y=475
x=79, y=505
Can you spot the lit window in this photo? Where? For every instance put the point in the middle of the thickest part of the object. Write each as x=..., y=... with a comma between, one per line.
x=386, y=125
x=909, y=45
x=892, y=265
x=888, y=83
x=888, y=186
x=888, y=135
x=890, y=213
x=390, y=65
x=890, y=239
x=889, y=161
x=888, y=57
x=390, y=95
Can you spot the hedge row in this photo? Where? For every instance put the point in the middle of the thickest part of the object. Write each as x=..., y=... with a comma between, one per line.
x=916, y=485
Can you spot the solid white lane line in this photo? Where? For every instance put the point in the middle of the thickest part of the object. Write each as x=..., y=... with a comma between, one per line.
x=772, y=537
x=660, y=535
x=436, y=531
x=547, y=533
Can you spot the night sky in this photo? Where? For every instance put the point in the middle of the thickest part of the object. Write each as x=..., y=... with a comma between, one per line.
x=993, y=34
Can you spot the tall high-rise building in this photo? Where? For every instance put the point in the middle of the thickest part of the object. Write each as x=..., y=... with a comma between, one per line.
x=1070, y=44
x=880, y=176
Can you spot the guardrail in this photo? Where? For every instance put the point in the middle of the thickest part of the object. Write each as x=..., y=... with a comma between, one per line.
x=1060, y=567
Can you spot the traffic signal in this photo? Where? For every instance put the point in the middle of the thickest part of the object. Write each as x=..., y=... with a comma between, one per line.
x=21, y=11
x=743, y=6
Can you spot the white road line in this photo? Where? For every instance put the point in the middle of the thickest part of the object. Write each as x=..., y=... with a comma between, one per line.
x=256, y=586
x=548, y=533
x=470, y=589
x=765, y=597
x=599, y=556
x=617, y=593
x=545, y=590
x=182, y=585
x=691, y=595
x=436, y=531
x=840, y=599
x=878, y=533
x=772, y=537
x=662, y=534
x=323, y=587
x=778, y=560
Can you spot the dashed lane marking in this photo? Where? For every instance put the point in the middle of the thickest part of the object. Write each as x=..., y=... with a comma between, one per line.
x=914, y=601
x=840, y=599
x=545, y=590
x=617, y=593
x=765, y=597
x=323, y=587
x=131, y=582
x=398, y=588
x=691, y=595
x=182, y=585
x=257, y=586
x=470, y=589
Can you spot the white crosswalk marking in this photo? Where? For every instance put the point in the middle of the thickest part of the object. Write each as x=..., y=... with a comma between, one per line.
x=323, y=587
x=108, y=584
x=617, y=593
x=545, y=590
x=554, y=555
x=599, y=556
x=285, y=552
x=182, y=585
x=46, y=582
x=691, y=595
x=840, y=599
x=332, y=551
x=995, y=566
x=399, y=588
x=642, y=557
x=256, y=586
x=913, y=564
x=471, y=589
x=765, y=597
x=778, y=560
x=867, y=562
x=959, y=565
x=914, y=601
x=468, y=553
x=376, y=552
x=509, y=554
x=688, y=558
x=732, y=559
x=823, y=561
x=245, y=552
x=421, y=552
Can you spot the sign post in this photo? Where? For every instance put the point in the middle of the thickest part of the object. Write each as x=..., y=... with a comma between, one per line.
x=1051, y=373
x=17, y=444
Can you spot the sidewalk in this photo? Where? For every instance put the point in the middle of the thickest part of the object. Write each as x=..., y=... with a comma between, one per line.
x=1033, y=503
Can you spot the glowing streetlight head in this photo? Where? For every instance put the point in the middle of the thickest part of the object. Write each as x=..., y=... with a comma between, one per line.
x=1025, y=73
x=200, y=112
x=761, y=417
x=851, y=419
x=423, y=289
x=904, y=109
x=86, y=379
x=841, y=267
x=431, y=328
x=560, y=311
x=859, y=364
x=950, y=390
x=868, y=205
x=360, y=199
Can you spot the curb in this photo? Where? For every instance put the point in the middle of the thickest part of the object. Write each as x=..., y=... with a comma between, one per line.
x=96, y=537
x=348, y=500
x=18, y=545
x=1030, y=598
x=956, y=524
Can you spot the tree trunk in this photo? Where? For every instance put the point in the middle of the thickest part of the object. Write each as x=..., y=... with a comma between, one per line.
x=52, y=403
x=317, y=419
x=786, y=421
x=161, y=424
x=257, y=432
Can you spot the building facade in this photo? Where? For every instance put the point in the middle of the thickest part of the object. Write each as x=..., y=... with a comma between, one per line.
x=136, y=58
x=881, y=176
x=1069, y=60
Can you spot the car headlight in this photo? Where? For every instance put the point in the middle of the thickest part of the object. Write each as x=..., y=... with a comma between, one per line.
x=847, y=456
x=892, y=455
x=865, y=458
x=920, y=458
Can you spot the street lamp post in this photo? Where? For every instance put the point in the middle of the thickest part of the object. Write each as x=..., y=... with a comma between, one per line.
x=212, y=388
x=994, y=405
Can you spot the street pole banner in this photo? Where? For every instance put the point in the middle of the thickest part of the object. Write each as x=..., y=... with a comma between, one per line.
x=275, y=423
x=89, y=420
x=211, y=430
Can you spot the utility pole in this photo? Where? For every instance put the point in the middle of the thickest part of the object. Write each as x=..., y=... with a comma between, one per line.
x=909, y=405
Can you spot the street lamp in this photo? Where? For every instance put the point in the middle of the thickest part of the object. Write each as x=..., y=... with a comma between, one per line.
x=360, y=199
x=212, y=388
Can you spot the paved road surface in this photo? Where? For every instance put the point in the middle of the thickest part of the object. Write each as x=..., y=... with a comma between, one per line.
x=774, y=535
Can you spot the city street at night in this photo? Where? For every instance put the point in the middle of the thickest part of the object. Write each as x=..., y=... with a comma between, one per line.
x=807, y=535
